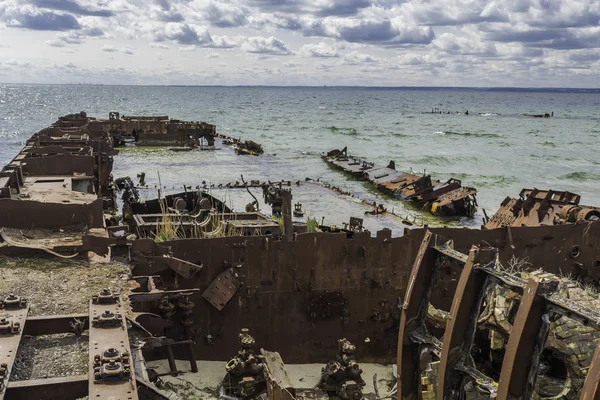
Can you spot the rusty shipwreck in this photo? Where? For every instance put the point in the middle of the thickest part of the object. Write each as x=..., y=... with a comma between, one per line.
x=505, y=312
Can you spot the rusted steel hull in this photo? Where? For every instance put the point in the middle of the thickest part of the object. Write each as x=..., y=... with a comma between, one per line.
x=294, y=295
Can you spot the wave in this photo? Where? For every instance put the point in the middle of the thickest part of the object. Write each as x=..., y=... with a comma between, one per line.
x=580, y=176
x=343, y=131
x=469, y=134
x=494, y=181
x=433, y=160
x=548, y=143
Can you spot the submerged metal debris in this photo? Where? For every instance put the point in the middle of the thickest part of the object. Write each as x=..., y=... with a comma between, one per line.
x=445, y=198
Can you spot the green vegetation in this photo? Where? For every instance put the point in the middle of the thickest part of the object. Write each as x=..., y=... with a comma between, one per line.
x=312, y=225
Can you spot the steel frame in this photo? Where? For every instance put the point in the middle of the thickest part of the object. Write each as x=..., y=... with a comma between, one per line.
x=539, y=304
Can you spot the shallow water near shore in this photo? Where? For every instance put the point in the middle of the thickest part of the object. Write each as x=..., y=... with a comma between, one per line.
x=494, y=148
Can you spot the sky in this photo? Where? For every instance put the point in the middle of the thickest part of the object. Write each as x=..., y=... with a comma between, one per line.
x=472, y=43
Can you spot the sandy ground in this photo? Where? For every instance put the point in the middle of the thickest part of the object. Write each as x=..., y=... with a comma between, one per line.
x=204, y=384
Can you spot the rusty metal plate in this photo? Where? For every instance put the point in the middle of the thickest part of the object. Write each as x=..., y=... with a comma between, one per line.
x=9, y=340
x=222, y=289
x=108, y=381
x=275, y=368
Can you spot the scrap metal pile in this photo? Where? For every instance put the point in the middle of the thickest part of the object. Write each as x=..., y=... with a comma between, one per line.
x=510, y=311
x=542, y=207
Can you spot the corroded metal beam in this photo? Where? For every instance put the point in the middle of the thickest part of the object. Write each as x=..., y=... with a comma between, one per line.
x=460, y=330
x=110, y=373
x=525, y=344
x=13, y=313
x=414, y=311
x=63, y=388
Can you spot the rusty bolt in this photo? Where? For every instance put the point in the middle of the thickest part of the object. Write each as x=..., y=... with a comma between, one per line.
x=112, y=365
x=111, y=353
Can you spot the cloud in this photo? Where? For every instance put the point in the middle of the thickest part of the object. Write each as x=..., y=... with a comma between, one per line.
x=340, y=7
x=276, y=20
x=461, y=45
x=159, y=45
x=71, y=7
x=186, y=49
x=28, y=18
x=168, y=16
x=419, y=60
x=75, y=37
x=370, y=29
x=320, y=50
x=225, y=15
x=455, y=12
x=562, y=14
x=315, y=7
x=187, y=35
x=112, y=49
x=11, y=62
x=431, y=41
x=559, y=39
x=356, y=58
x=270, y=45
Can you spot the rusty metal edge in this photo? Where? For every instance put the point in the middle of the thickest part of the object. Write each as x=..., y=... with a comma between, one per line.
x=53, y=324
x=63, y=388
x=101, y=339
x=457, y=336
x=10, y=344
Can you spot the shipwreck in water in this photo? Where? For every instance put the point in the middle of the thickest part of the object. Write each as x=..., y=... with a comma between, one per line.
x=146, y=131
x=444, y=198
x=506, y=312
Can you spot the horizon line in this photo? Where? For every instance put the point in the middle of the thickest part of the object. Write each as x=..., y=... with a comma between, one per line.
x=405, y=87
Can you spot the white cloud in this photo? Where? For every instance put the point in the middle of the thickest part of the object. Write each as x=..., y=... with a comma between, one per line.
x=320, y=50
x=262, y=45
x=356, y=58
x=433, y=41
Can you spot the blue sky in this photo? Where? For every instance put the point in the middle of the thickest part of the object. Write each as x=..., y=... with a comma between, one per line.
x=541, y=43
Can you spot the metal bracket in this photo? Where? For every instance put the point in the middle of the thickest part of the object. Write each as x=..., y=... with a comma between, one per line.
x=111, y=375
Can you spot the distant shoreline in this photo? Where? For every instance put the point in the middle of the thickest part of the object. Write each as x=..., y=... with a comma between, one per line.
x=407, y=88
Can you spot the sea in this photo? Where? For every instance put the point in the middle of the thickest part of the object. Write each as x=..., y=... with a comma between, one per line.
x=494, y=147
